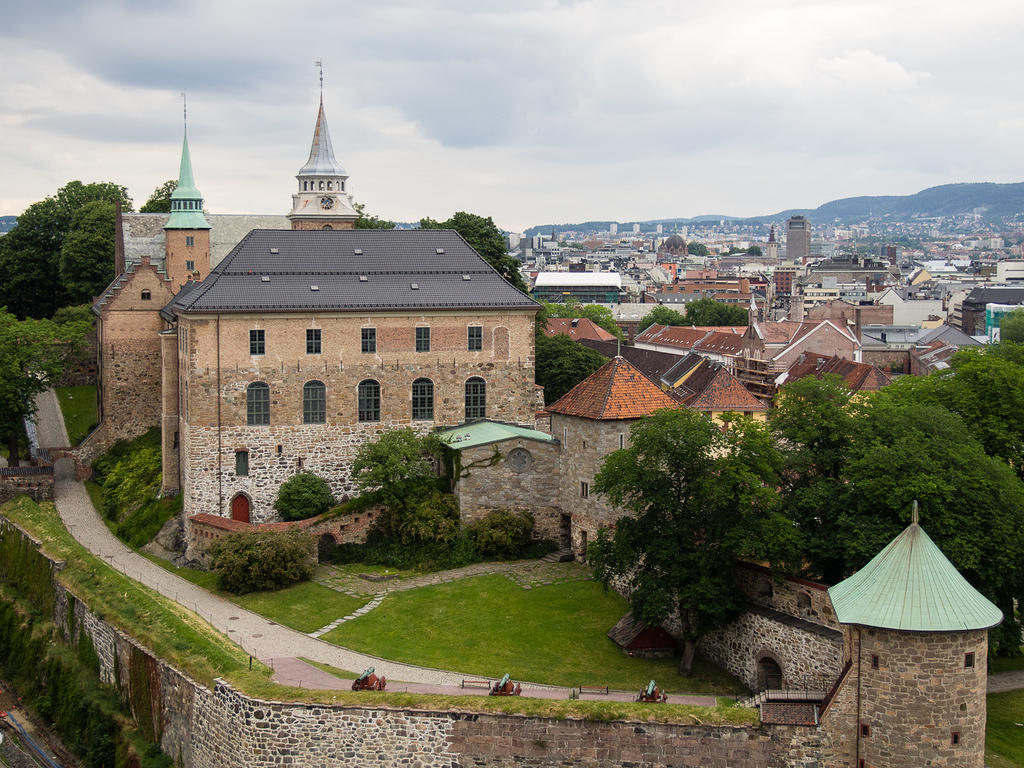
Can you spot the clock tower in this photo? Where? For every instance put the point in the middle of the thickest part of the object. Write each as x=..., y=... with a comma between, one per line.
x=322, y=200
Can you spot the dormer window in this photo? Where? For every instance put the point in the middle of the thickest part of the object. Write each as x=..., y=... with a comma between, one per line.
x=146, y=295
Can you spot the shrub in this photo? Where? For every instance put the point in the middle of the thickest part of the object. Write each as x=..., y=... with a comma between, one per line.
x=501, y=534
x=398, y=466
x=253, y=561
x=303, y=496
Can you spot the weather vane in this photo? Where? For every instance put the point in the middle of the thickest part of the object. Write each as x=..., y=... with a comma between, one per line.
x=320, y=63
x=184, y=108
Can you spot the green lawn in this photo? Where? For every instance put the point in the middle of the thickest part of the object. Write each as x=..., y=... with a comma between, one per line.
x=1004, y=738
x=1005, y=664
x=488, y=626
x=305, y=606
x=78, y=404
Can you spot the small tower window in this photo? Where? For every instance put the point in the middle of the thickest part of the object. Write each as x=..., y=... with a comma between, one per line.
x=874, y=661
x=329, y=185
x=954, y=738
x=146, y=295
x=321, y=185
x=190, y=240
x=968, y=660
x=190, y=265
x=305, y=186
x=241, y=463
x=341, y=185
x=865, y=730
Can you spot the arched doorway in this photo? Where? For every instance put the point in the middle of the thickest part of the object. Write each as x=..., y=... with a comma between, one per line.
x=240, y=508
x=769, y=673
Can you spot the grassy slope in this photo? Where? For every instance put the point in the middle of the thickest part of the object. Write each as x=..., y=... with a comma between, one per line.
x=1004, y=739
x=488, y=626
x=78, y=404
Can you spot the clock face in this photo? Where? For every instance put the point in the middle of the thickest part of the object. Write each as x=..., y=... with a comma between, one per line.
x=327, y=203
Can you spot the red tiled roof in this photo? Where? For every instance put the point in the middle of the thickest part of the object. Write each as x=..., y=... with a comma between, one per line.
x=577, y=328
x=856, y=376
x=712, y=388
x=780, y=332
x=228, y=524
x=683, y=337
x=721, y=343
x=617, y=390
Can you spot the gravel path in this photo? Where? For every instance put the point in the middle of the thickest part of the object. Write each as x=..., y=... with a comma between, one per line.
x=49, y=421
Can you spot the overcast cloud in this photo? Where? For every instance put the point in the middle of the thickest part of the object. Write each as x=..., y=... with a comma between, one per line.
x=526, y=111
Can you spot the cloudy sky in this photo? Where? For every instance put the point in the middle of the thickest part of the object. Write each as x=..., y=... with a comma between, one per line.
x=529, y=111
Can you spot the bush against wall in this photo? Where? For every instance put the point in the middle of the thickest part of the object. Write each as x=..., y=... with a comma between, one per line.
x=303, y=496
x=501, y=534
x=254, y=561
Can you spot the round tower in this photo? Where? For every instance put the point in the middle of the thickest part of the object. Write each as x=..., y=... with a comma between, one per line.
x=917, y=643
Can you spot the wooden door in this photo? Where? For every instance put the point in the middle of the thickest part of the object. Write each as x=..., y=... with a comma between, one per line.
x=240, y=508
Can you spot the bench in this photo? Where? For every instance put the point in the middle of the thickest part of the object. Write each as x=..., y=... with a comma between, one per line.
x=596, y=689
x=476, y=684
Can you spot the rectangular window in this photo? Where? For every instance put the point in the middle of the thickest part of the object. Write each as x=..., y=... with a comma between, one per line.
x=190, y=266
x=475, y=338
x=422, y=339
x=257, y=342
x=865, y=730
x=968, y=660
x=622, y=441
x=584, y=490
x=190, y=240
x=312, y=341
x=874, y=661
x=954, y=738
x=242, y=463
x=369, y=340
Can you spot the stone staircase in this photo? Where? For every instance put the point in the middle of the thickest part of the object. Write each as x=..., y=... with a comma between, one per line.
x=560, y=556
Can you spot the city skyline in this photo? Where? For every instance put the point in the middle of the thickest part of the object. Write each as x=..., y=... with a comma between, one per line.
x=543, y=112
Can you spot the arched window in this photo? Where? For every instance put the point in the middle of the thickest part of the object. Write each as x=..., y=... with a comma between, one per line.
x=329, y=185
x=321, y=184
x=257, y=404
x=326, y=226
x=476, y=398
x=305, y=186
x=369, y=400
x=314, y=402
x=423, y=400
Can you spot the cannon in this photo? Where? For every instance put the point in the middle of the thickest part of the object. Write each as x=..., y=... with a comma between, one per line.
x=652, y=695
x=368, y=681
x=505, y=687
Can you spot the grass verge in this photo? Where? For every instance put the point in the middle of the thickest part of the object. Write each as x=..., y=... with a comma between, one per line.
x=486, y=625
x=1005, y=664
x=1004, y=737
x=78, y=406
x=193, y=646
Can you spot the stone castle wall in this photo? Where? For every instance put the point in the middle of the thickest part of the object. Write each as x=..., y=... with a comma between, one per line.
x=217, y=362
x=795, y=597
x=489, y=482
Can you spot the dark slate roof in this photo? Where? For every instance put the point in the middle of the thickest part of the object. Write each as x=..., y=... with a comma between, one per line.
x=995, y=294
x=448, y=274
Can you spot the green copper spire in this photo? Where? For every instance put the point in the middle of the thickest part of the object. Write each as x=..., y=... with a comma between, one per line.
x=910, y=585
x=186, y=201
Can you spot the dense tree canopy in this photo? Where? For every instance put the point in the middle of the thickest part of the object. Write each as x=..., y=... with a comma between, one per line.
x=486, y=239
x=370, y=222
x=662, y=315
x=711, y=312
x=33, y=355
x=87, y=255
x=696, y=249
x=562, y=363
x=700, y=498
x=30, y=254
x=600, y=316
x=160, y=200
x=1011, y=327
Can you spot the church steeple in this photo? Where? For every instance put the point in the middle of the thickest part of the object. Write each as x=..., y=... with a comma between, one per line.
x=186, y=200
x=322, y=200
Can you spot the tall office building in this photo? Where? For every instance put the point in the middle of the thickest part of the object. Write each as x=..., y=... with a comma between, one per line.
x=613, y=228
x=798, y=239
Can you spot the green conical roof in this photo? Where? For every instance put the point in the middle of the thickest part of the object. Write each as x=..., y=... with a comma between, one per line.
x=186, y=200
x=910, y=585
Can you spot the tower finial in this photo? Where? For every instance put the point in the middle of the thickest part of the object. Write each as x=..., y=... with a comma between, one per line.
x=914, y=513
x=320, y=63
x=184, y=110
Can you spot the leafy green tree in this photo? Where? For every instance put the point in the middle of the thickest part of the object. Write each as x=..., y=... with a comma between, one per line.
x=486, y=239
x=33, y=355
x=160, y=200
x=600, y=316
x=1011, y=326
x=302, y=496
x=370, y=222
x=755, y=250
x=87, y=255
x=398, y=466
x=562, y=363
x=711, y=312
x=255, y=561
x=662, y=315
x=696, y=249
x=699, y=499
x=75, y=194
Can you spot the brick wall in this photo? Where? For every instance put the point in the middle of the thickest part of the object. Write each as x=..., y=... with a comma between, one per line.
x=36, y=482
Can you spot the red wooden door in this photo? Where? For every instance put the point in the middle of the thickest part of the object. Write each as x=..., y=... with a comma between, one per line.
x=240, y=508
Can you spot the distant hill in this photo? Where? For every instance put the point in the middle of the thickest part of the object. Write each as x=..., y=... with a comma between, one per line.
x=987, y=199
x=7, y=223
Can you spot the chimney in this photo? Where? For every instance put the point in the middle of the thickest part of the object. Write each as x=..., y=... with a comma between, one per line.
x=119, y=265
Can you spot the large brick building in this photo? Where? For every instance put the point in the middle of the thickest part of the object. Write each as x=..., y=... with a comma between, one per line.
x=301, y=344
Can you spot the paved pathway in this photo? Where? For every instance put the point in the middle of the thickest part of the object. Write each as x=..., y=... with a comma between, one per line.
x=49, y=421
x=1006, y=681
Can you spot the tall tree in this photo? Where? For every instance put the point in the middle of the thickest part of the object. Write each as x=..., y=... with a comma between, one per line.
x=711, y=312
x=160, y=200
x=662, y=315
x=696, y=249
x=486, y=239
x=699, y=499
x=600, y=316
x=33, y=355
x=87, y=255
x=562, y=363
x=1011, y=326
x=363, y=221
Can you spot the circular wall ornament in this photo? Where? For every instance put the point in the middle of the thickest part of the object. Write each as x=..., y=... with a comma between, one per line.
x=520, y=459
x=327, y=203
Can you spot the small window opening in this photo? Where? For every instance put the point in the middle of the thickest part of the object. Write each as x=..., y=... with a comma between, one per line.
x=954, y=738
x=146, y=295
x=874, y=661
x=584, y=490
x=279, y=450
x=241, y=463
x=968, y=660
x=865, y=729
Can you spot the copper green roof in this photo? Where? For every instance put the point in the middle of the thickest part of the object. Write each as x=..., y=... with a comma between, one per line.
x=486, y=432
x=910, y=585
x=186, y=200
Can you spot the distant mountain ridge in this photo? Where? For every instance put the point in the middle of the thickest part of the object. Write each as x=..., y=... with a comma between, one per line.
x=986, y=198
x=7, y=223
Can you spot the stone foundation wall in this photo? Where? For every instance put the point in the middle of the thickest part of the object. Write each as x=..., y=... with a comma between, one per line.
x=796, y=597
x=224, y=728
x=806, y=653
x=36, y=482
